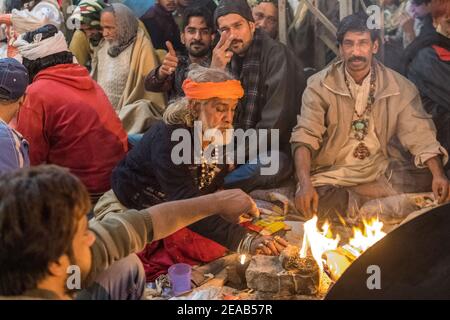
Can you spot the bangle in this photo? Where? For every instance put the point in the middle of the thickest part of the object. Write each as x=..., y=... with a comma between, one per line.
x=245, y=244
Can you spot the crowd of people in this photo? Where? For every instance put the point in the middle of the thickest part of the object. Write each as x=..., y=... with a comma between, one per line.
x=94, y=97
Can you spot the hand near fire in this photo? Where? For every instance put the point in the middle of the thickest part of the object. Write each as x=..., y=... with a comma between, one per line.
x=440, y=184
x=307, y=199
x=270, y=246
x=235, y=203
x=441, y=189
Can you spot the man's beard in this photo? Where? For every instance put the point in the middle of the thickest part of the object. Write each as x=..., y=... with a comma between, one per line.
x=112, y=43
x=198, y=54
x=242, y=49
x=219, y=137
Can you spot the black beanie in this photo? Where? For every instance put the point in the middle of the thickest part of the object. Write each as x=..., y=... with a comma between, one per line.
x=239, y=7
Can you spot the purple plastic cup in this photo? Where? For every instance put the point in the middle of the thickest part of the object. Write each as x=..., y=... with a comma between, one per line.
x=180, y=278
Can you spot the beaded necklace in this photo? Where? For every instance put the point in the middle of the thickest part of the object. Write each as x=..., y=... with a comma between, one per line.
x=360, y=126
x=209, y=168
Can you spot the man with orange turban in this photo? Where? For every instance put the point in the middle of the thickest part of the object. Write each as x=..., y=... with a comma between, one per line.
x=158, y=170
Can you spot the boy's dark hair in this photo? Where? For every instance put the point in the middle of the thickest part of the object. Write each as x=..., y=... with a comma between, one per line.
x=356, y=22
x=40, y=209
x=197, y=12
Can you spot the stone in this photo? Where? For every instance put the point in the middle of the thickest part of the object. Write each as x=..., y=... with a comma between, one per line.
x=266, y=274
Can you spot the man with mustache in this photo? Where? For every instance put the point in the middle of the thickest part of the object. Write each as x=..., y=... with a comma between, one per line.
x=153, y=172
x=273, y=82
x=183, y=5
x=197, y=36
x=358, y=119
x=265, y=13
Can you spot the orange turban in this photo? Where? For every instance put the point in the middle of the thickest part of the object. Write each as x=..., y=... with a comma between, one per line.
x=230, y=89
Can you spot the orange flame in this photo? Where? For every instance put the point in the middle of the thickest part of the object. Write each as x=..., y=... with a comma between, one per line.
x=326, y=250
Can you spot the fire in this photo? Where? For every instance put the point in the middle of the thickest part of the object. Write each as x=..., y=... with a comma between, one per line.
x=317, y=241
x=371, y=234
x=326, y=250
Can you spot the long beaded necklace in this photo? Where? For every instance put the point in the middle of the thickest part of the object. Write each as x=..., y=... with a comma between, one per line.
x=209, y=169
x=360, y=126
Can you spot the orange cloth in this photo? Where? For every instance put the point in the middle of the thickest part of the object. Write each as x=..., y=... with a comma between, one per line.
x=230, y=89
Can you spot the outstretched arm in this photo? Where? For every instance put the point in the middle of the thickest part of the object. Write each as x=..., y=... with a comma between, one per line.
x=170, y=217
x=119, y=235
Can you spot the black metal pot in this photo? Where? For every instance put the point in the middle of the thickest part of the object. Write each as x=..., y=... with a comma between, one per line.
x=413, y=261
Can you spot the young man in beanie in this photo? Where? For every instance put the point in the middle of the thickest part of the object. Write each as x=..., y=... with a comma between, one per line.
x=13, y=83
x=273, y=83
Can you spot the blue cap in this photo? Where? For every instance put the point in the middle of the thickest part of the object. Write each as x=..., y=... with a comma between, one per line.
x=13, y=79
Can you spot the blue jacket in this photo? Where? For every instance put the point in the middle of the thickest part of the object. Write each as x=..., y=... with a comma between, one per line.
x=13, y=149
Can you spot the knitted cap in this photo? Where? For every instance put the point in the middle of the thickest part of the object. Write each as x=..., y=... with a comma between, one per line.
x=239, y=7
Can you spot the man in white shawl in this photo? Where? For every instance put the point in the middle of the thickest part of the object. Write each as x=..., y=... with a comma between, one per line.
x=120, y=64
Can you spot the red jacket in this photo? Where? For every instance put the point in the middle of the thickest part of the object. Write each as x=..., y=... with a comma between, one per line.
x=69, y=121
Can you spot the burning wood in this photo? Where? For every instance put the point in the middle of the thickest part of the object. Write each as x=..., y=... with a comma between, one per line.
x=311, y=269
x=332, y=258
x=292, y=262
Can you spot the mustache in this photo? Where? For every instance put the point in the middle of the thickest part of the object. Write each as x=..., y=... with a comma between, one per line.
x=236, y=41
x=198, y=43
x=357, y=58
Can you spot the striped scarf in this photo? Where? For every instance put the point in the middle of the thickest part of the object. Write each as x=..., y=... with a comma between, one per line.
x=246, y=115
